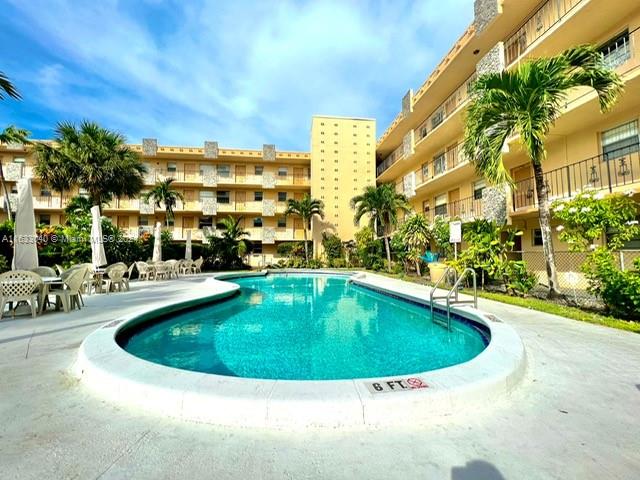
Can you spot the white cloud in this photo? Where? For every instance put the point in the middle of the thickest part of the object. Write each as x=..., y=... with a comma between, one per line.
x=243, y=73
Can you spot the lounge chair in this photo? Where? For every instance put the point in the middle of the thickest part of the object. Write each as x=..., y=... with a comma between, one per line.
x=20, y=286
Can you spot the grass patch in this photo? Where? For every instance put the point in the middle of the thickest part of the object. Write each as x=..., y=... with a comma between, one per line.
x=540, y=305
x=573, y=313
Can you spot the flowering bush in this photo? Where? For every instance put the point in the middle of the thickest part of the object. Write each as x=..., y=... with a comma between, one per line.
x=587, y=218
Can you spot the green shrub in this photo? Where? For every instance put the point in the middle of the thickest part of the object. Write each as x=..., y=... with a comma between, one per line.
x=4, y=265
x=368, y=249
x=519, y=281
x=332, y=246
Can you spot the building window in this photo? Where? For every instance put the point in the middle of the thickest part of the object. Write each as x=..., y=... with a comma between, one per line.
x=206, y=194
x=171, y=167
x=282, y=196
x=617, y=51
x=257, y=196
x=45, y=219
x=256, y=247
x=282, y=222
x=222, y=196
x=224, y=171
x=425, y=172
x=283, y=171
x=439, y=164
x=478, y=188
x=45, y=193
x=18, y=160
x=204, y=222
x=536, y=237
x=425, y=207
x=258, y=169
x=620, y=141
x=257, y=222
x=143, y=221
x=171, y=222
x=441, y=204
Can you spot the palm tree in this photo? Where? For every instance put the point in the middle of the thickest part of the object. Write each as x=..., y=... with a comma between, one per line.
x=527, y=101
x=415, y=234
x=7, y=87
x=382, y=204
x=11, y=134
x=305, y=208
x=78, y=206
x=164, y=194
x=102, y=162
x=54, y=169
x=231, y=245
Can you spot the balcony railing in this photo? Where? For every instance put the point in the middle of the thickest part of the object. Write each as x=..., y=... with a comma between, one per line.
x=540, y=22
x=446, y=109
x=609, y=171
x=441, y=164
x=178, y=175
x=466, y=210
x=392, y=158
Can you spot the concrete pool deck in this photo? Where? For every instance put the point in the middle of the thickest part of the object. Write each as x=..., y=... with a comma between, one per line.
x=576, y=414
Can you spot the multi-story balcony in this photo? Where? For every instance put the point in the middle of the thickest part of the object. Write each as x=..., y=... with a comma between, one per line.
x=48, y=201
x=614, y=171
x=154, y=176
x=392, y=158
x=541, y=21
x=441, y=164
x=466, y=210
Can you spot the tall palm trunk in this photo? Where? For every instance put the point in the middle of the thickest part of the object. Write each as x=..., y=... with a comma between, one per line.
x=6, y=193
x=545, y=228
x=306, y=247
x=388, y=249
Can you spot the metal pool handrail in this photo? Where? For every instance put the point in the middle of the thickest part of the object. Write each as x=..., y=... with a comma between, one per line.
x=453, y=290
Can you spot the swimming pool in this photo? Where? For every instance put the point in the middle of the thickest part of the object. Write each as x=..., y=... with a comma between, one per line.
x=304, y=327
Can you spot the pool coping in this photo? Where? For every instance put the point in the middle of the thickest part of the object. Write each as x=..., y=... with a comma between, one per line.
x=104, y=367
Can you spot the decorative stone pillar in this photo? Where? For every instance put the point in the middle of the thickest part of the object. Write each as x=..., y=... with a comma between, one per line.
x=494, y=204
x=13, y=171
x=268, y=180
x=147, y=208
x=493, y=61
x=210, y=150
x=268, y=235
x=269, y=152
x=408, y=144
x=409, y=184
x=407, y=103
x=268, y=208
x=149, y=147
x=485, y=12
x=209, y=206
x=209, y=175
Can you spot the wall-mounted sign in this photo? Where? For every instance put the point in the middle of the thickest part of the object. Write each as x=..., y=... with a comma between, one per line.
x=396, y=385
x=455, y=232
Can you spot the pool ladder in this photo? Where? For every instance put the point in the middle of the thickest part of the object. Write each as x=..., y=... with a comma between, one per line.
x=453, y=292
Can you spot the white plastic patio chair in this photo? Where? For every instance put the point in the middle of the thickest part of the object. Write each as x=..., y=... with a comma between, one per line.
x=69, y=294
x=115, y=274
x=197, y=265
x=162, y=270
x=145, y=271
x=20, y=286
x=45, y=271
x=173, y=268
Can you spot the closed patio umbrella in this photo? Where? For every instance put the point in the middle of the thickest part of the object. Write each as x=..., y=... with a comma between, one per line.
x=157, y=245
x=187, y=250
x=98, y=257
x=25, y=250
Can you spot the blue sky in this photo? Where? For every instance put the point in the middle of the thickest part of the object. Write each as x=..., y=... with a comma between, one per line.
x=243, y=73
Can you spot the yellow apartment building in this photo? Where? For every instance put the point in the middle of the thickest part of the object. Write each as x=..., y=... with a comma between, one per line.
x=217, y=182
x=421, y=150
x=342, y=165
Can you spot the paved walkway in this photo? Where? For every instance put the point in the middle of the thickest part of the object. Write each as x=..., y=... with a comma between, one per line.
x=576, y=416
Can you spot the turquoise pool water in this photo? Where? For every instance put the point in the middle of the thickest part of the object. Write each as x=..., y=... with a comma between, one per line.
x=304, y=327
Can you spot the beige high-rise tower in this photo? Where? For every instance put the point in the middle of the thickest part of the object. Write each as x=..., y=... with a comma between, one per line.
x=342, y=165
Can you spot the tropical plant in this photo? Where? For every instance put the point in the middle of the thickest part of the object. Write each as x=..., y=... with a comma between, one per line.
x=102, y=163
x=164, y=194
x=11, y=134
x=381, y=204
x=227, y=249
x=305, y=208
x=333, y=249
x=7, y=88
x=415, y=233
x=77, y=206
x=439, y=236
x=526, y=101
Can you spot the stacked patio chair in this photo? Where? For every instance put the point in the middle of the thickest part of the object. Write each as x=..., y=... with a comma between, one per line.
x=20, y=286
x=162, y=270
x=145, y=271
x=173, y=268
x=70, y=293
x=115, y=277
x=186, y=267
